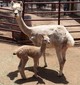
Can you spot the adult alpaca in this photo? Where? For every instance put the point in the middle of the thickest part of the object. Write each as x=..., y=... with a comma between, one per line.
x=60, y=38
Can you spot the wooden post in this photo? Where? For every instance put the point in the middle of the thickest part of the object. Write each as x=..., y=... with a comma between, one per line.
x=59, y=7
x=23, y=8
x=72, y=5
x=23, y=36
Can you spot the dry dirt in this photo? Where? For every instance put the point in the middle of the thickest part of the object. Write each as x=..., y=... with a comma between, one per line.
x=9, y=74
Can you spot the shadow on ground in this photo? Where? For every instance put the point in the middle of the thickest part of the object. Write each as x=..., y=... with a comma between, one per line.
x=43, y=73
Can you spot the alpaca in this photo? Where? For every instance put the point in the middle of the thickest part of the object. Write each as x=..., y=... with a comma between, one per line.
x=60, y=38
x=34, y=52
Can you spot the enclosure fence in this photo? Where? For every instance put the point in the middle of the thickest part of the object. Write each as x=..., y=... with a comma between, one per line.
x=27, y=6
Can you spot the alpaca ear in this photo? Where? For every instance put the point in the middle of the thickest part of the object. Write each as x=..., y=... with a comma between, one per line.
x=21, y=3
x=12, y=3
x=32, y=37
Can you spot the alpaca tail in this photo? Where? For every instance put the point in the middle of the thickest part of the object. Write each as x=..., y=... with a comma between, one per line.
x=14, y=53
x=71, y=41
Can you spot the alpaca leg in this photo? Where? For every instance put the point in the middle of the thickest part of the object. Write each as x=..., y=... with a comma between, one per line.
x=38, y=63
x=22, y=66
x=63, y=57
x=19, y=64
x=35, y=66
x=45, y=60
x=59, y=55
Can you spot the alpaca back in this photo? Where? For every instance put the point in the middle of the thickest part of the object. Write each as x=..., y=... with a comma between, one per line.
x=27, y=50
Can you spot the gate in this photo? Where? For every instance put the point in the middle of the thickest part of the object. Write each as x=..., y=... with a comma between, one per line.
x=33, y=7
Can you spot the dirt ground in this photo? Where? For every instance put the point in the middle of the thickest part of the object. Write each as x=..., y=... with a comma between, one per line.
x=9, y=74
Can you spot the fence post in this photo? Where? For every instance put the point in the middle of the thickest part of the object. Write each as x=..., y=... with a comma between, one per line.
x=23, y=8
x=59, y=12
x=23, y=36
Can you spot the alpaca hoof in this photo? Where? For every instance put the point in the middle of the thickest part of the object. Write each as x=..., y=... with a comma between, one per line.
x=60, y=74
x=45, y=65
x=24, y=77
x=35, y=76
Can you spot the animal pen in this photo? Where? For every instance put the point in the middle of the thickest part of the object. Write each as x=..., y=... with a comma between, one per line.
x=31, y=7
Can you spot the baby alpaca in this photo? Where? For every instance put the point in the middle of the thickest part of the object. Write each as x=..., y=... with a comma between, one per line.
x=32, y=51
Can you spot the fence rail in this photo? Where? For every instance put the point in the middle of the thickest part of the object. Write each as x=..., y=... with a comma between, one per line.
x=62, y=2
x=58, y=12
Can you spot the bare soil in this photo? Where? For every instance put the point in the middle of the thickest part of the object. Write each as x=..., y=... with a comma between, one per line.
x=9, y=74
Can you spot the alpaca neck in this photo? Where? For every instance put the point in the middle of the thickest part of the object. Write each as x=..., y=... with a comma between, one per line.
x=43, y=47
x=24, y=28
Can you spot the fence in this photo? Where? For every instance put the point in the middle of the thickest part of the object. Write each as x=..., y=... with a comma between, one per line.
x=50, y=11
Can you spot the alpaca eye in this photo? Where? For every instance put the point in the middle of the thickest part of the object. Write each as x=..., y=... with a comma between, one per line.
x=19, y=11
x=13, y=10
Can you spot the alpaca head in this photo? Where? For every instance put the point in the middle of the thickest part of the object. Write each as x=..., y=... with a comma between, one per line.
x=46, y=39
x=17, y=8
x=37, y=39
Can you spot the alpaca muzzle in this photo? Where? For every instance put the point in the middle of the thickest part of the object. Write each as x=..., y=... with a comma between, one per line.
x=15, y=14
